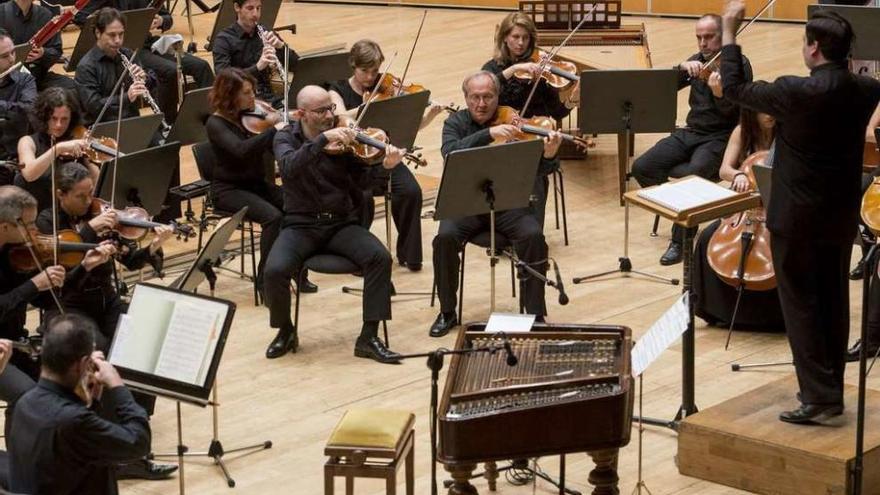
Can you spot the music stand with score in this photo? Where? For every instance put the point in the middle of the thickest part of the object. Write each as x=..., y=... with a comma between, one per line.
x=189, y=127
x=138, y=131
x=142, y=179
x=319, y=70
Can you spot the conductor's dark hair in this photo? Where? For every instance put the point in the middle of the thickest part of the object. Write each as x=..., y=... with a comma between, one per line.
x=47, y=102
x=832, y=32
x=69, y=338
x=107, y=16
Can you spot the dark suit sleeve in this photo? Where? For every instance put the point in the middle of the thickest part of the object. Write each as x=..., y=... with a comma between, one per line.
x=123, y=437
x=771, y=98
x=454, y=137
x=88, y=86
x=222, y=51
x=26, y=292
x=25, y=100
x=226, y=140
x=93, y=6
x=293, y=157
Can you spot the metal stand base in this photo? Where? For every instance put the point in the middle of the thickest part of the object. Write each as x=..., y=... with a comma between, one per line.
x=625, y=269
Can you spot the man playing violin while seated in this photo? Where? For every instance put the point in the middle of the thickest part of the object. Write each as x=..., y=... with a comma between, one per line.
x=62, y=444
x=54, y=117
x=472, y=128
x=23, y=19
x=241, y=45
x=698, y=148
x=365, y=59
x=322, y=195
x=18, y=90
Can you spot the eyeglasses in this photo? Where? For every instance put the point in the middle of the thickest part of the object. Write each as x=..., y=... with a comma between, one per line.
x=322, y=110
x=480, y=98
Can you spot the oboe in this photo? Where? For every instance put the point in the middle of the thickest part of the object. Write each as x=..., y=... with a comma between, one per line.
x=261, y=31
x=147, y=96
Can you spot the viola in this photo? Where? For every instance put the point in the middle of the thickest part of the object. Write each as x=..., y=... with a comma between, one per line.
x=533, y=128
x=262, y=117
x=739, y=250
x=370, y=144
x=559, y=74
x=71, y=251
x=133, y=222
x=390, y=86
x=102, y=149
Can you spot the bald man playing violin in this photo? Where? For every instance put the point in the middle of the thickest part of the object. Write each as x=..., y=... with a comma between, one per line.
x=473, y=128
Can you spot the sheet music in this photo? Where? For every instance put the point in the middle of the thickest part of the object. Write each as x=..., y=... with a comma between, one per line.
x=661, y=335
x=510, y=323
x=186, y=342
x=140, y=333
x=686, y=194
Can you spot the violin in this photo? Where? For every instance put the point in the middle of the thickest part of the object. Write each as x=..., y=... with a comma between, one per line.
x=101, y=149
x=71, y=251
x=370, y=144
x=533, y=128
x=390, y=86
x=262, y=117
x=559, y=74
x=133, y=222
x=739, y=250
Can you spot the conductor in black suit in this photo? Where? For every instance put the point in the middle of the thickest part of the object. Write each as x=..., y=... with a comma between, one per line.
x=814, y=209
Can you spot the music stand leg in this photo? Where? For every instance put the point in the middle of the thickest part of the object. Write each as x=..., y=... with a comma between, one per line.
x=181, y=451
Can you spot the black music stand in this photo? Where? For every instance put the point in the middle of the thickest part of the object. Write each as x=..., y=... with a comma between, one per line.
x=138, y=131
x=319, y=70
x=627, y=102
x=226, y=16
x=189, y=127
x=865, y=23
x=137, y=28
x=21, y=52
x=142, y=179
x=399, y=117
x=484, y=180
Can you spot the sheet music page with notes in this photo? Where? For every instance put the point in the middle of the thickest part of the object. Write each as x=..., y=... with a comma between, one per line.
x=687, y=194
x=190, y=331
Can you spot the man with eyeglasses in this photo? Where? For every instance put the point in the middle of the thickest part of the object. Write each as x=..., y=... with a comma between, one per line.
x=322, y=203
x=472, y=128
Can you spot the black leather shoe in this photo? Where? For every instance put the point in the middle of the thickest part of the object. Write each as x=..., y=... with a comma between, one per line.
x=443, y=324
x=413, y=267
x=852, y=354
x=308, y=287
x=144, y=470
x=373, y=348
x=285, y=340
x=858, y=272
x=810, y=413
x=672, y=255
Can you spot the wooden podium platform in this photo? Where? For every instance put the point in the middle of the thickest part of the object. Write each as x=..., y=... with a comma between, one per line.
x=741, y=443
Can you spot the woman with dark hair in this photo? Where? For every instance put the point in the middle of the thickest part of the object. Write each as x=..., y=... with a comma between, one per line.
x=244, y=168
x=54, y=116
x=715, y=299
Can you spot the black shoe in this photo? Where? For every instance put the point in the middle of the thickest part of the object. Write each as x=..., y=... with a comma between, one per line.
x=672, y=255
x=811, y=414
x=443, y=324
x=858, y=272
x=285, y=340
x=144, y=470
x=308, y=287
x=852, y=354
x=375, y=349
x=413, y=267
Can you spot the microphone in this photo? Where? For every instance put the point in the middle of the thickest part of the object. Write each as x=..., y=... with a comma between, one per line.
x=511, y=357
x=563, y=297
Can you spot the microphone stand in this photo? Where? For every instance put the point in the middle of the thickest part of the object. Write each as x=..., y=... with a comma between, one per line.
x=524, y=270
x=435, y=364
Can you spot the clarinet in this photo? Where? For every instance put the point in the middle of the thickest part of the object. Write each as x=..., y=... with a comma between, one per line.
x=261, y=31
x=147, y=96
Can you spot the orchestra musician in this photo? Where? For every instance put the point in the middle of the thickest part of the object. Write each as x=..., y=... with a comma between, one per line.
x=18, y=90
x=54, y=116
x=60, y=443
x=698, y=148
x=814, y=209
x=22, y=19
x=164, y=66
x=468, y=129
x=322, y=194
x=714, y=299
x=365, y=59
x=516, y=41
x=240, y=45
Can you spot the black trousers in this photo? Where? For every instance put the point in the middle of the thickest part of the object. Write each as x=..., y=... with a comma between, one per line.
x=814, y=293
x=682, y=153
x=302, y=237
x=406, y=209
x=264, y=204
x=14, y=382
x=520, y=226
x=165, y=67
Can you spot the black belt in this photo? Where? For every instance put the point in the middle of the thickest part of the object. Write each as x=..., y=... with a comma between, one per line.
x=324, y=216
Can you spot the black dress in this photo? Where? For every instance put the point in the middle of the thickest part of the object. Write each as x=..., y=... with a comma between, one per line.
x=41, y=188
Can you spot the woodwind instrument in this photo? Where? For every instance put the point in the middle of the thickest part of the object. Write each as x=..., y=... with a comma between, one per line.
x=147, y=96
x=263, y=33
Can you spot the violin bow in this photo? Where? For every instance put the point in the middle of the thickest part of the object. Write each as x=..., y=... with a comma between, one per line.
x=552, y=54
x=29, y=242
x=118, y=135
x=373, y=93
x=413, y=50
x=54, y=204
x=741, y=29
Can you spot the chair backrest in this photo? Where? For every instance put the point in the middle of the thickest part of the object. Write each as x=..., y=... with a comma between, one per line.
x=206, y=160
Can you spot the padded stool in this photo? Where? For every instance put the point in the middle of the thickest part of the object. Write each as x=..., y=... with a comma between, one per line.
x=370, y=443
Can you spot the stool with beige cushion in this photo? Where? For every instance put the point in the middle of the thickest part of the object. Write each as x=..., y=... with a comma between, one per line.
x=370, y=443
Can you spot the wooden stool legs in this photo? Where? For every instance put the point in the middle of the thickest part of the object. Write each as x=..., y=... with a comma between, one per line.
x=357, y=467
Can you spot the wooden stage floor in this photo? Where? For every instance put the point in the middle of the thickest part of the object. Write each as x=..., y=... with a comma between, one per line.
x=295, y=401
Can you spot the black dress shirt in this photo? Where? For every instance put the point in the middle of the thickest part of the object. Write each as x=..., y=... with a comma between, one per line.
x=16, y=291
x=123, y=5
x=708, y=114
x=240, y=155
x=515, y=92
x=60, y=447
x=461, y=132
x=96, y=75
x=314, y=182
x=235, y=48
x=820, y=137
x=17, y=94
x=23, y=27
